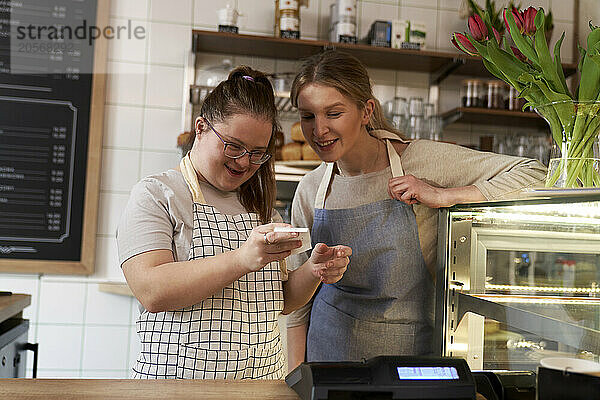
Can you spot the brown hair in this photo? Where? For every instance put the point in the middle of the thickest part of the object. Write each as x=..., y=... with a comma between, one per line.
x=348, y=75
x=247, y=91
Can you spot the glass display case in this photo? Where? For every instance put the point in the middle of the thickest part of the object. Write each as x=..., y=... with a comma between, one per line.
x=519, y=281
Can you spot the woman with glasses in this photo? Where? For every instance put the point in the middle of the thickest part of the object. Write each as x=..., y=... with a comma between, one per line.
x=378, y=194
x=198, y=248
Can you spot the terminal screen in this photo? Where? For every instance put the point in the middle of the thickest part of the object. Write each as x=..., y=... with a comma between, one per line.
x=427, y=373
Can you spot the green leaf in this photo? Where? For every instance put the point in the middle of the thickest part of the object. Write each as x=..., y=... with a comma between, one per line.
x=541, y=48
x=564, y=110
x=506, y=62
x=522, y=44
x=593, y=53
x=593, y=39
x=495, y=71
x=582, y=52
x=557, y=61
x=535, y=99
x=488, y=24
x=595, y=58
x=589, y=85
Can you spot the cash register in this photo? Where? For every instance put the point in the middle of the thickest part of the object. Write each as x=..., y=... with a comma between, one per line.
x=384, y=377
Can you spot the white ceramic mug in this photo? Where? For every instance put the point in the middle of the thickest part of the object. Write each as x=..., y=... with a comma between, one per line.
x=571, y=364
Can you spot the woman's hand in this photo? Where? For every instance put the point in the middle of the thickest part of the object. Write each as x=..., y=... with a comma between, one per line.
x=264, y=246
x=412, y=190
x=329, y=263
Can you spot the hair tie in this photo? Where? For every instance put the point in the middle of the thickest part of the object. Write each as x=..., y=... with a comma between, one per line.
x=248, y=78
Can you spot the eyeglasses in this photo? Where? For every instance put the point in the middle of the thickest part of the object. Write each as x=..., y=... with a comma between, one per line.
x=234, y=150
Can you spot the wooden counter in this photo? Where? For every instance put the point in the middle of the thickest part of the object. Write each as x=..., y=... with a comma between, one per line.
x=63, y=389
x=11, y=306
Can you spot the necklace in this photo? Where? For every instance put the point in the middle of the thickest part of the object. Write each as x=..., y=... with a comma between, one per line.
x=370, y=168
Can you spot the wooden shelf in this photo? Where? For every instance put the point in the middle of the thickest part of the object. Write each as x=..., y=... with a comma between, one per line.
x=11, y=306
x=438, y=64
x=487, y=116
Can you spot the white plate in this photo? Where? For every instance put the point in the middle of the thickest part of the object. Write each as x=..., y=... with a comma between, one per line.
x=571, y=364
x=291, y=230
x=303, y=235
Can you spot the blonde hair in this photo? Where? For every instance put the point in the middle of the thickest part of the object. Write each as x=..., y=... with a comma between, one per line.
x=346, y=74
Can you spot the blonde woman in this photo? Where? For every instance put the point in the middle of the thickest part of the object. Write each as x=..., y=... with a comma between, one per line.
x=378, y=194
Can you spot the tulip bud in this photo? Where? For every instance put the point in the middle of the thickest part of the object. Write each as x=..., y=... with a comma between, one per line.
x=529, y=18
x=463, y=43
x=477, y=27
x=519, y=19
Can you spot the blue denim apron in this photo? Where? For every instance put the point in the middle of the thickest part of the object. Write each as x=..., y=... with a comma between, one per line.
x=384, y=302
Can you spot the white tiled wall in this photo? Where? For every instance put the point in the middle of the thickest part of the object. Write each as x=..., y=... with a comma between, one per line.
x=86, y=333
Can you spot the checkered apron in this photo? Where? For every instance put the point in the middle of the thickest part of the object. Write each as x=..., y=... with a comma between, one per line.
x=230, y=335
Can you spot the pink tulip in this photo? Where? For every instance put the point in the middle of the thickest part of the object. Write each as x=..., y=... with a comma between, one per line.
x=519, y=19
x=477, y=27
x=529, y=18
x=465, y=44
x=518, y=54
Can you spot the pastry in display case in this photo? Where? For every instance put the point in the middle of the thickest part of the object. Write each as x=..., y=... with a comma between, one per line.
x=519, y=281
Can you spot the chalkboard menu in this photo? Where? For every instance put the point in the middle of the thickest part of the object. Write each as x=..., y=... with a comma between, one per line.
x=51, y=106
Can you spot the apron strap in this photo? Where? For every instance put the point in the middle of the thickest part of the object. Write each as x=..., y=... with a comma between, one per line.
x=322, y=191
x=395, y=164
x=191, y=178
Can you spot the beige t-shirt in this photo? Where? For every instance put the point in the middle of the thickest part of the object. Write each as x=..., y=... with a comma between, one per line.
x=159, y=215
x=439, y=164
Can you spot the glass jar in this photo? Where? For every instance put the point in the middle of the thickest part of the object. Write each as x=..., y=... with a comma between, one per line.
x=472, y=93
x=415, y=105
x=496, y=94
x=417, y=128
x=428, y=110
x=287, y=19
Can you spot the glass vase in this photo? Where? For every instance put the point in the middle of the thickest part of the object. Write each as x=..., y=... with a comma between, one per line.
x=575, y=158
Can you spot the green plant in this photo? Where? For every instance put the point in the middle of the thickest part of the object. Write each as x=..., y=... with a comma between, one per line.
x=538, y=76
x=495, y=18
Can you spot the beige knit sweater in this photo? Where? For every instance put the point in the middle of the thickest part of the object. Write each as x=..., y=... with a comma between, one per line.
x=439, y=164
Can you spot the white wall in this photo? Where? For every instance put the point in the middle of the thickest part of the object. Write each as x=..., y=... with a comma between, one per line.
x=86, y=333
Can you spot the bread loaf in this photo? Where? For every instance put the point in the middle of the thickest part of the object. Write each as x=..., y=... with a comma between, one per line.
x=291, y=151
x=297, y=135
x=308, y=153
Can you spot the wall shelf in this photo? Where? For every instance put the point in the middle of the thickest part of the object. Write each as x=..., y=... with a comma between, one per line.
x=438, y=64
x=487, y=116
